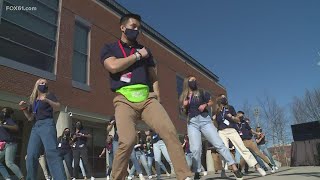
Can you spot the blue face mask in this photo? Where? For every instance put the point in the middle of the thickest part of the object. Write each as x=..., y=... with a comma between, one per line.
x=131, y=34
x=43, y=88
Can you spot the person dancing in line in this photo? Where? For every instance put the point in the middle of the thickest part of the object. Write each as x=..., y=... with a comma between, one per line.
x=261, y=142
x=8, y=144
x=65, y=149
x=108, y=150
x=227, y=118
x=150, y=155
x=186, y=148
x=194, y=104
x=80, y=150
x=133, y=77
x=41, y=109
x=246, y=134
x=139, y=154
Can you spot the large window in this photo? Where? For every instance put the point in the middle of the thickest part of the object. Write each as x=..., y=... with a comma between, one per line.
x=80, y=53
x=29, y=36
x=179, y=80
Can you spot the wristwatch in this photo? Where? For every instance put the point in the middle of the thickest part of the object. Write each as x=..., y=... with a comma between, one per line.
x=138, y=56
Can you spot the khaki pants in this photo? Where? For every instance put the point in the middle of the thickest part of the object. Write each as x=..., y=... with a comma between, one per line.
x=254, y=148
x=155, y=116
x=216, y=160
x=232, y=135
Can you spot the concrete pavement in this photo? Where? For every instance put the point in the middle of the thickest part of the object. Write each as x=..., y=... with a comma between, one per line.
x=284, y=173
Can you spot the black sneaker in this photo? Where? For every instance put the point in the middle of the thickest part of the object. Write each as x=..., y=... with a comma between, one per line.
x=238, y=175
x=197, y=175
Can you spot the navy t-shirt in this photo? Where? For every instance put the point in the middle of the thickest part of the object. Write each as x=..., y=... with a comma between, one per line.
x=43, y=110
x=138, y=69
x=155, y=138
x=244, y=130
x=196, y=101
x=64, y=143
x=80, y=142
x=263, y=140
x=5, y=134
x=220, y=118
x=149, y=149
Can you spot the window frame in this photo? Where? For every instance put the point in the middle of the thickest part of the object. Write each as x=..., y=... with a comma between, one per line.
x=11, y=63
x=76, y=84
x=182, y=116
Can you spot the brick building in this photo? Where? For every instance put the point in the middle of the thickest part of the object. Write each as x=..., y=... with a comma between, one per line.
x=60, y=40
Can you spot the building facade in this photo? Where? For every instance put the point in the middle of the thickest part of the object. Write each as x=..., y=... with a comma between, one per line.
x=60, y=40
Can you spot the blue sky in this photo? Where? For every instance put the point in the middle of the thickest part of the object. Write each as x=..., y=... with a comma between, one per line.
x=255, y=47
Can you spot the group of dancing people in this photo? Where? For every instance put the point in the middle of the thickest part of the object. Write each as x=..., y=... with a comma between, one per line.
x=133, y=77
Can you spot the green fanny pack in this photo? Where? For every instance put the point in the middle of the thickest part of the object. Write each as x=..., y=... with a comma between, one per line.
x=135, y=93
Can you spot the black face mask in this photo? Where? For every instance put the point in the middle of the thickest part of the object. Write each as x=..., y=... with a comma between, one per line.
x=78, y=126
x=224, y=101
x=43, y=88
x=67, y=133
x=241, y=118
x=131, y=34
x=192, y=85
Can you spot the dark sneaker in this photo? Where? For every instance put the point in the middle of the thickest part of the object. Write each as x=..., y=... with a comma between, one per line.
x=238, y=175
x=197, y=175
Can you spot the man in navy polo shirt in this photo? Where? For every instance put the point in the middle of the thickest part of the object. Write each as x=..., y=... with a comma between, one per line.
x=245, y=133
x=133, y=77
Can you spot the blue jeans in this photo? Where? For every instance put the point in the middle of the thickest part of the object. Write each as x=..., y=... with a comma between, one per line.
x=259, y=160
x=135, y=162
x=150, y=161
x=83, y=171
x=44, y=132
x=9, y=154
x=67, y=156
x=142, y=157
x=189, y=159
x=159, y=147
x=204, y=125
x=109, y=162
x=263, y=148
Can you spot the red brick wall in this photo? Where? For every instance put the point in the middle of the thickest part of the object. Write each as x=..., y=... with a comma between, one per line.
x=105, y=29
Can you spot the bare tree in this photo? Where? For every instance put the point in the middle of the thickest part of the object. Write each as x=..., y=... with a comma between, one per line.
x=276, y=123
x=248, y=109
x=307, y=108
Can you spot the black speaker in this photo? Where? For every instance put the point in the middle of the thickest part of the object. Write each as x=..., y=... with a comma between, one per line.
x=306, y=131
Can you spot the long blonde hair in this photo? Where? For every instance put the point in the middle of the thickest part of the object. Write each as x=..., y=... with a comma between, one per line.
x=185, y=91
x=34, y=93
x=219, y=105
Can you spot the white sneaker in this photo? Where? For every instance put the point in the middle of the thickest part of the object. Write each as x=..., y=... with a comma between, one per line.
x=273, y=169
x=73, y=179
x=276, y=168
x=130, y=177
x=141, y=177
x=168, y=174
x=188, y=178
x=261, y=171
x=108, y=177
x=149, y=177
x=204, y=173
x=92, y=178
